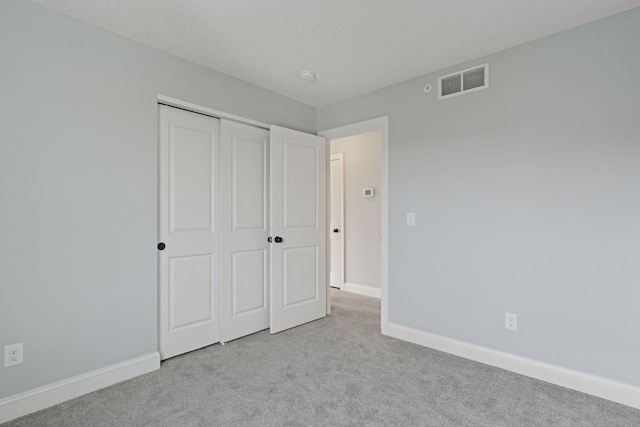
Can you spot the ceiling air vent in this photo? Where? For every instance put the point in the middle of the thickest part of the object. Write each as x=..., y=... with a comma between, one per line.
x=465, y=81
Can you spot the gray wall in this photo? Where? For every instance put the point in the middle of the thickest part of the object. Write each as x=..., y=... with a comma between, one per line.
x=78, y=173
x=527, y=197
x=361, y=164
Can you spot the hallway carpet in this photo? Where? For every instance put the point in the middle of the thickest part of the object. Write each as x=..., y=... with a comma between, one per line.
x=338, y=371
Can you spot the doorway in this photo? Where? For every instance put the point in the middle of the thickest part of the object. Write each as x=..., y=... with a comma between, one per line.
x=355, y=213
x=336, y=221
x=361, y=234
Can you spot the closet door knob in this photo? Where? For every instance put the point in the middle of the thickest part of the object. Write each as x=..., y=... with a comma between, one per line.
x=278, y=239
x=335, y=230
x=269, y=239
x=161, y=246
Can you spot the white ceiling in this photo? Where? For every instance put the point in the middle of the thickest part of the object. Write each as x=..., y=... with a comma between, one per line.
x=353, y=46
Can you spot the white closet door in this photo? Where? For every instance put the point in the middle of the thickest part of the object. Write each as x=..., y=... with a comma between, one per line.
x=188, y=152
x=298, y=226
x=244, y=222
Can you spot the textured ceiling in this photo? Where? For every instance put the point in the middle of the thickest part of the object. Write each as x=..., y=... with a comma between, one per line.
x=354, y=46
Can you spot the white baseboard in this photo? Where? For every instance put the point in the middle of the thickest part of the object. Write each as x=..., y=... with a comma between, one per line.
x=42, y=397
x=369, y=291
x=605, y=388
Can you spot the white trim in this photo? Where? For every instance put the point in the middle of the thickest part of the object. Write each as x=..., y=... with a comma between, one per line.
x=42, y=397
x=340, y=157
x=209, y=111
x=381, y=124
x=369, y=291
x=605, y=388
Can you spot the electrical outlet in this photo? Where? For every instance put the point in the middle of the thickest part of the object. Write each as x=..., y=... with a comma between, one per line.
x=511, y=321
x=12, y=355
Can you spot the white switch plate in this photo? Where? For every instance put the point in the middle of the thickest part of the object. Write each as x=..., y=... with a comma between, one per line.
x=12, y=355
x=411, y=219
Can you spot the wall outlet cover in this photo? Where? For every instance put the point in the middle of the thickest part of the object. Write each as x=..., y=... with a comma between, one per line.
x=411, y=219
x=511, y=321
x=13, y=355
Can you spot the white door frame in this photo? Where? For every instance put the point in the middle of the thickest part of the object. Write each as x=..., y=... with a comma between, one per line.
x=339, y=157
x=379, y=124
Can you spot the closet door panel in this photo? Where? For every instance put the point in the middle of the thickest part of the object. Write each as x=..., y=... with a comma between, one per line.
x=188, y=285
x=244, y=292
x=298, y=224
